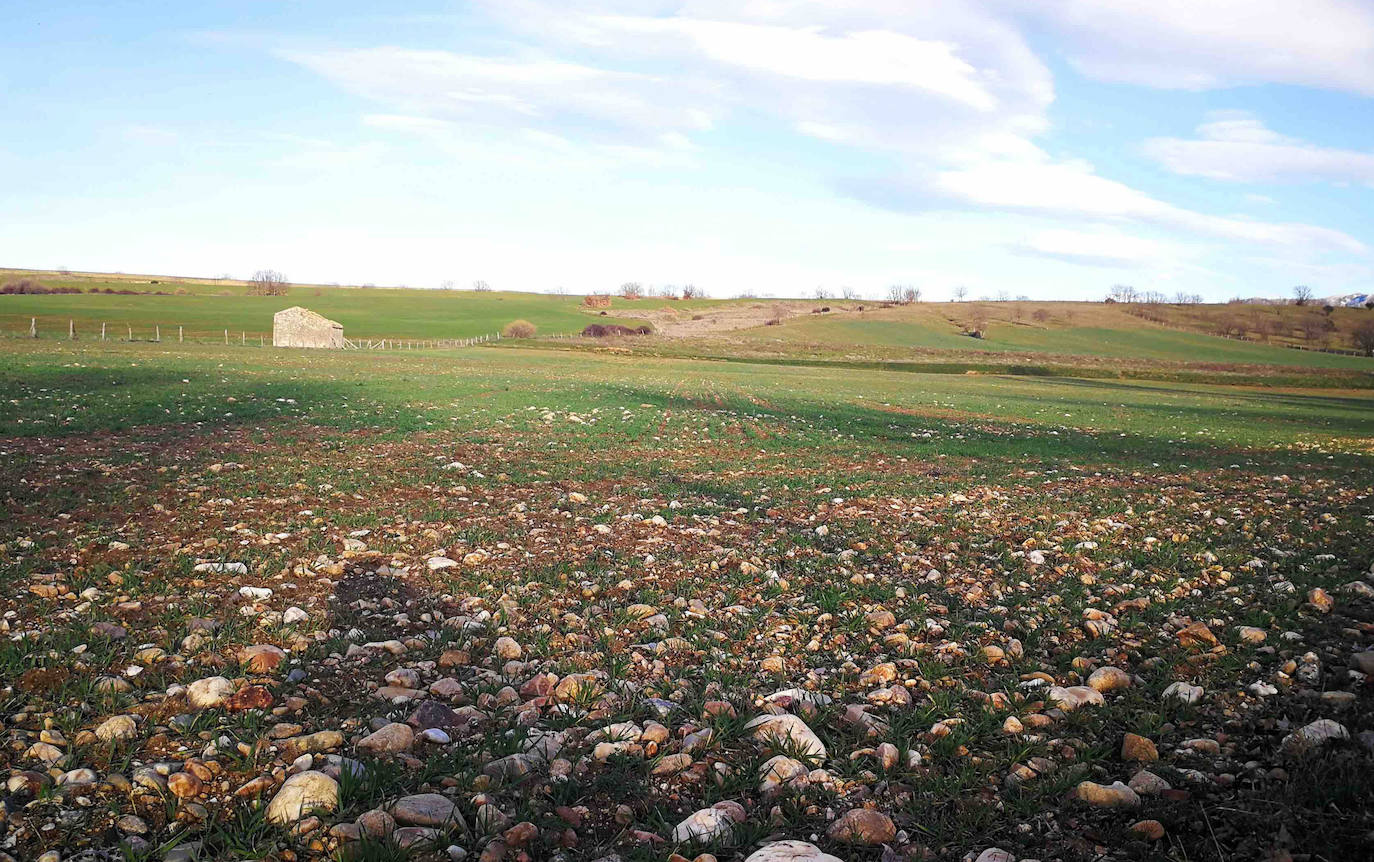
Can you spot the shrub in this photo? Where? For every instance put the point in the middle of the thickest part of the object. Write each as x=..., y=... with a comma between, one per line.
x=268, y=282
x=1363, y=337
x=606, y=330
x=29, y=286
x=518, y=329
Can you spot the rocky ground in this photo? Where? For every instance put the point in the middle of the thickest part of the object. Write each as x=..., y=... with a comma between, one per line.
x=325, y=645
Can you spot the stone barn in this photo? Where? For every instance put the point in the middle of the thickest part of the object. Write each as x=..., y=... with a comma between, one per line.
x=301, y=327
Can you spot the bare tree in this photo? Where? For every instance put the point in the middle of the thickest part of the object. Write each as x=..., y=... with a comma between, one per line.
x=691, y=291
x=1312, y=328
x=481, y=286
x=911, y=294
x=1302, y=294
x=849, y=293
x=1123, y=293
x=632, y=290
x=447, y=284
x=1363, y=337
x=959, y=293
x=268, y=282
x=822, y=293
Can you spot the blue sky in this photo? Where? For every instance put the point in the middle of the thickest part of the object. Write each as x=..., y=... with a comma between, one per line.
x=1048, y=148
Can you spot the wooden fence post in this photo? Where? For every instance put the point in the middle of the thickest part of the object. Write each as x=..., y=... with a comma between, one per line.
x=226, y=336
x=71, y=329
x=33, y=327
x=179, y=335
x=157, y=333
x=131, y=332
x=102, y=331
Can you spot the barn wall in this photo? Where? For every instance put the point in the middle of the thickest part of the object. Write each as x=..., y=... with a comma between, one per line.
x=299, y=330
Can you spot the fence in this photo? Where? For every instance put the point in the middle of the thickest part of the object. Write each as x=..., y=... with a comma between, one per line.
x=126, y=333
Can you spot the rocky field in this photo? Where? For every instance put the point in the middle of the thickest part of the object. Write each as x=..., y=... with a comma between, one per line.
x=570, y=616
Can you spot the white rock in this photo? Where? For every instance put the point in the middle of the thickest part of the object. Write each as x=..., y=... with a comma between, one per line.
x=117, y=727
x=208, y=693
x=1314, y=735
x=302, y=793
x=709, y=824
x=294, y=615
x=779, y=770
x=222, y=568
x=790, y=730
x=1185, y=692
x=1075, y=696
x=257, y=594
x=791, y=851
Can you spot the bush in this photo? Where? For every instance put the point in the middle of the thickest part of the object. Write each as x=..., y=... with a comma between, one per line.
x=607, y=330
x=29, y=286
x=518, y=329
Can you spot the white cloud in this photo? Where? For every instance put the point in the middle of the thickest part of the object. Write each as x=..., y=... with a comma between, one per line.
x=949, y=93
x=1036, y=183
x=1238, y=147
x=878, y=57
x=1104, y=247
x=534, y=92
x=1208, y=44
x=886, y=74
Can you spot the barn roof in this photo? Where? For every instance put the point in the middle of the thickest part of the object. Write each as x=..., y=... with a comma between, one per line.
x=301, y=311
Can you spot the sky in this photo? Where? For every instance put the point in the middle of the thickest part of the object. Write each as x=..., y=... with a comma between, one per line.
x=1042, y=148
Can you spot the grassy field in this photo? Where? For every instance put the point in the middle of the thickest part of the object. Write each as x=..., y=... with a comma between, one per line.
x=1175, y=338
x=1073, y=329
x=528, y=601
x=205, y=309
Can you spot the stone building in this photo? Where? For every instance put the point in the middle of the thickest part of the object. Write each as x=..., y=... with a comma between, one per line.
x=301, y=327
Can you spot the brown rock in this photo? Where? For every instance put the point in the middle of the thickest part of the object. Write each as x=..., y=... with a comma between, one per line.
x=184, y=785
x=1138, y=749
x=250, y=697
x=1150, y=830
x=1197, y=635
x=863, y=826
x=262, y=658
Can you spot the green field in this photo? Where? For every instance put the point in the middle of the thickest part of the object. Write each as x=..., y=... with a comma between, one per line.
x=1095, y=331
x=584, y=572
x=206, y=310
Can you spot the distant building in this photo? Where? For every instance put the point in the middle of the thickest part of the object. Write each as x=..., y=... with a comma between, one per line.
x=301, y=327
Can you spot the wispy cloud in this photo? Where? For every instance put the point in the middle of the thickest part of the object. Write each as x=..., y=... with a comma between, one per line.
x=1238, y=147
x=1192, y=45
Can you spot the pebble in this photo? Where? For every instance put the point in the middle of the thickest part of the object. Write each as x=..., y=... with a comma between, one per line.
x=390, y=739
x=426, y=809
x=1114, y=795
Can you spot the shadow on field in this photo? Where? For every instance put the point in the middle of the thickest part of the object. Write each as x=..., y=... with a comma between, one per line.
x=845, y=427
x=1356, y=415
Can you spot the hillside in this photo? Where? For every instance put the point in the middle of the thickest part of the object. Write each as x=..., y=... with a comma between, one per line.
x=206, y=307
x=1133, y=336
